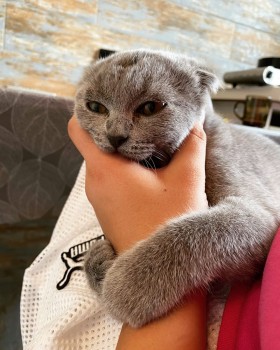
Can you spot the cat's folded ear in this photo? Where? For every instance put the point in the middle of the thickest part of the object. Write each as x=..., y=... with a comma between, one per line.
x=208, y=80
x=201, y=75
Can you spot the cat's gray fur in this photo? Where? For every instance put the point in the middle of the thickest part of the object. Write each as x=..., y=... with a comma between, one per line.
x=227, y=242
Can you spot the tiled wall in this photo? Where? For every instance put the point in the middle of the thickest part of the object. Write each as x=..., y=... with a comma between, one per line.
x=44, y=44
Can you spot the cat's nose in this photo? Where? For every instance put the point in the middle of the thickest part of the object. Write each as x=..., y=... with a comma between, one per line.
x=116, y=141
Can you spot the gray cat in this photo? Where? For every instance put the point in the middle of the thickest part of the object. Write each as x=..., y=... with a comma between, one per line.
x=143, y=104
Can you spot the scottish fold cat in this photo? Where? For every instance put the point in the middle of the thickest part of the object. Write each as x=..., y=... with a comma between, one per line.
x=143, y=104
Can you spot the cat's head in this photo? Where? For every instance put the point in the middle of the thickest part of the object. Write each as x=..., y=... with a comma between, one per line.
x=142, y=104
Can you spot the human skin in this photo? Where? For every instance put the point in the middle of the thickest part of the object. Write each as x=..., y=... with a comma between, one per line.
x=130, y=202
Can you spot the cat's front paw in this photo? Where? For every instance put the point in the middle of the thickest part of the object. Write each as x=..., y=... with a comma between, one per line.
x=139, y=287
x=98, y=260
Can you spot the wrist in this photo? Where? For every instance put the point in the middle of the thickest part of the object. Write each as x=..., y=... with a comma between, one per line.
x=183, y=328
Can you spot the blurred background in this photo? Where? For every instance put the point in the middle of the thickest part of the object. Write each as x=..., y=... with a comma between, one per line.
x=44, y=44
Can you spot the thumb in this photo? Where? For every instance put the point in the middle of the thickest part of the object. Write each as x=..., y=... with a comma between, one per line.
x=81, y=139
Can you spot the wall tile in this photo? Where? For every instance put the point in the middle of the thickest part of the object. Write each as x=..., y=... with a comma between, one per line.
x=44, y=52
x=165, y=21
x=261, y=15
x=2, y=22
x=75, y=7
x=44, y=44
x=249, y=45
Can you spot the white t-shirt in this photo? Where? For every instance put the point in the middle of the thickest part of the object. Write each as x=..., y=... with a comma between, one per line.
x=58, y=309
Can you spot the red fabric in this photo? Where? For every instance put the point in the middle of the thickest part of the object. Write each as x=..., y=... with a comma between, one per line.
x=251, y=319
x=269, y=312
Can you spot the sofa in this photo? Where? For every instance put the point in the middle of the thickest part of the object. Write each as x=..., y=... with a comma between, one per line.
x=38, y=167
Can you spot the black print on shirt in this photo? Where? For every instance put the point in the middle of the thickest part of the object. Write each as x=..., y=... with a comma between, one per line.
x=73, y=260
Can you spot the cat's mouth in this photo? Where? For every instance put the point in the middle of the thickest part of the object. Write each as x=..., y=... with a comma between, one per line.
x=156, y=161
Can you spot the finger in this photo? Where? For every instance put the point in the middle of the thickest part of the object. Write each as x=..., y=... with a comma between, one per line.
x=81, y=139
x=199, y=132
x=191, y=155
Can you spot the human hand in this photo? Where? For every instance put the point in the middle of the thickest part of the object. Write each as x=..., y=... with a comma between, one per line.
x=131, y=201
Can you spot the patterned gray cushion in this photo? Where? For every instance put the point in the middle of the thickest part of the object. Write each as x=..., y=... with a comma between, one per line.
x=38, y=162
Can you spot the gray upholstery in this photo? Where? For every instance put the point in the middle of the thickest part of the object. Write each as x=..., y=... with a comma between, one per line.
x=38, y=163
x=38, y=167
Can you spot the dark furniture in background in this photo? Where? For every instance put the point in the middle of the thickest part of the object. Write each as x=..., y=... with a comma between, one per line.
x=38, y=167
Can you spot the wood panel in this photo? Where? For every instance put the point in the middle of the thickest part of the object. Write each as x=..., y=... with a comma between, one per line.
x=48, y=51
x=2, y=23
x=249, y=45
x=261, y=15
x=165, y=21
x=86, y=8
x=44, y=44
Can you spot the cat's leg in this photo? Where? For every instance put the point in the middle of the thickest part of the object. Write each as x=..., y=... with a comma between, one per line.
x=228, y=241
x=98, y=260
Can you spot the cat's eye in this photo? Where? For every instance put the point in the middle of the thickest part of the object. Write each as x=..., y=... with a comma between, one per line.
x=97, y=107
x=150, y=107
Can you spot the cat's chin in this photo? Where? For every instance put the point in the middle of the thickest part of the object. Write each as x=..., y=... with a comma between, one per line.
x=156, y=162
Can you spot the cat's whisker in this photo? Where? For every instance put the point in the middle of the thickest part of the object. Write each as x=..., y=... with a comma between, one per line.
x=145, y=162
x=152, y=162
x=163, y=157
x=153, y=167
x=139, y=162
x=159, y=155
x=148, y=165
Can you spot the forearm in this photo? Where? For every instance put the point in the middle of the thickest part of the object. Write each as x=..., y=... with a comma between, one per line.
x=184, y=328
